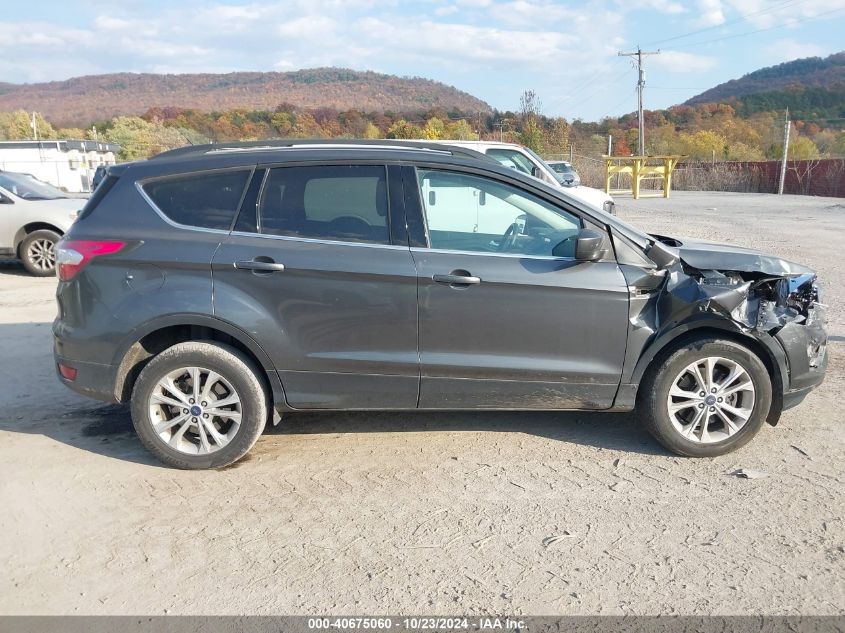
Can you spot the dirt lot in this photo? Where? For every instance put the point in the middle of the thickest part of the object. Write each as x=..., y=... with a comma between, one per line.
x=517, y=513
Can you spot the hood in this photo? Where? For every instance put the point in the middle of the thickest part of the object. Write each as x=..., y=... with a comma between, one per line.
x=593, y=197
x=61, y=204
x=718, y=256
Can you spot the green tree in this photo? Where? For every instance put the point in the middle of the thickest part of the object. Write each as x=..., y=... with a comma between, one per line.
x=141, y=139
x=532, y=135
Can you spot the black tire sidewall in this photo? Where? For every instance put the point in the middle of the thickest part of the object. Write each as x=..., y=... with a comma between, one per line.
x=657, y=391
x=227, y=362
x=24, y=248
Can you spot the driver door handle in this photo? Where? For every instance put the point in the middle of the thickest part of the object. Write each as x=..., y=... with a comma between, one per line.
x=260, y=266
x=457, y=280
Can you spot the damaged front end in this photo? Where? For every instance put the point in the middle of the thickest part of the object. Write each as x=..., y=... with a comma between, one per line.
x=747, y=293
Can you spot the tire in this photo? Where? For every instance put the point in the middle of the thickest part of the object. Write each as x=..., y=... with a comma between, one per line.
x=752, y=397
x=237, y=377
x=38, y=252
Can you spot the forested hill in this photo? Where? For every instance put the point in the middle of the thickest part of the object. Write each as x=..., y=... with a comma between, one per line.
x=82, y=100
x=811, y=74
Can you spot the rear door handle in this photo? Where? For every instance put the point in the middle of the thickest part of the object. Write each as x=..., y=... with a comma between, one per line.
x=454, y=279
x=259, y=266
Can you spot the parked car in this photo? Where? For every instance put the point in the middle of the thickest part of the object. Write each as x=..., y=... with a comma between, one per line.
x=522, y=159
x=565, y=173
x=33, y=217
x=214, y=286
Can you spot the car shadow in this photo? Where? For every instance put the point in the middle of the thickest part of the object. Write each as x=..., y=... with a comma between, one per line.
x=107, y=429
x=13, y=267
x=34, y=402
x=611, y=431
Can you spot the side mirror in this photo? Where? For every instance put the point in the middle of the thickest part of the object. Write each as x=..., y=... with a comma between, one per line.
x=589, y=246
x=536, y=172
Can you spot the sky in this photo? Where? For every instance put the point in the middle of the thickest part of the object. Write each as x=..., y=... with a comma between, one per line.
x=494, y=49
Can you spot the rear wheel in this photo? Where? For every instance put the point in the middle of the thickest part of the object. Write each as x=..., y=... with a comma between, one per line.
x=706, y=399
x=38, y=252
x=199, y=404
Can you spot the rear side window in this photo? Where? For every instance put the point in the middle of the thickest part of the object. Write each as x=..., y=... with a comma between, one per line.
x=207, y=200
x=338, y=202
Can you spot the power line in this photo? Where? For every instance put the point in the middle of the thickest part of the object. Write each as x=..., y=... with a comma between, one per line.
x=771, y=28
x=616, y=79
x=740, y=18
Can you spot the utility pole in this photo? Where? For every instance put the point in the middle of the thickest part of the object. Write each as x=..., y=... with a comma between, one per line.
x=639, y=53
x=786, y=126
x=34, y=125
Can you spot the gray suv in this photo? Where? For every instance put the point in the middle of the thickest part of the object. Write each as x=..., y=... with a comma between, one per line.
x=216, y=287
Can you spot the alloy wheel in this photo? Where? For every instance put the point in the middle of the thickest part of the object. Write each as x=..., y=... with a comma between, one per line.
x=195, y=411
x=42, y=254
x=710, y=400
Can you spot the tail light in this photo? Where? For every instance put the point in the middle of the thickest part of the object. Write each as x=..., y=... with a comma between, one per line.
x=73, y=255
x=68, y=373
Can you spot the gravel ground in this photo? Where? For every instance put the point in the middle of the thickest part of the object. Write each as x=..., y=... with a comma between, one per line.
x=509, y=513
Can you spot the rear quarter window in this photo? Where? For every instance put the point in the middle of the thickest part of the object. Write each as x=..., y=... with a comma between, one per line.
x=206, y=200
x=96, y=198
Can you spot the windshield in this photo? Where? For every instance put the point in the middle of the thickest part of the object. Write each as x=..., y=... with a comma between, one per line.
x=29, y=188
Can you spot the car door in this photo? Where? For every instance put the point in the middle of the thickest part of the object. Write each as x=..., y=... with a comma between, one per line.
x=7, y=228
x=505, y=322
x=320, y=274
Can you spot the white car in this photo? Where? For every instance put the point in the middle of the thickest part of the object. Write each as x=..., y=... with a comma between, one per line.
x=523, y=159
x=33, y=217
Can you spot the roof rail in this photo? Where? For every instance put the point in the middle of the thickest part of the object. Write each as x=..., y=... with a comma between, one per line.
x=274, y=144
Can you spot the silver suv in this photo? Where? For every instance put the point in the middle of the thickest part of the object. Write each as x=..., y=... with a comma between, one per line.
x=33, y=217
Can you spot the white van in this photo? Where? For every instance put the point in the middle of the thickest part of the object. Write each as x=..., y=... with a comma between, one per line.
x=523, y=159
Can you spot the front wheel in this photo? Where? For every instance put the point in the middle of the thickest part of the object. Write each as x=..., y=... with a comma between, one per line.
x=38, y=252
x=199, y=404
x=707, y=398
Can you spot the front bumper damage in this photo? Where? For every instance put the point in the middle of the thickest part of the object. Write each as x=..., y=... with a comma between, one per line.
x=748, y=294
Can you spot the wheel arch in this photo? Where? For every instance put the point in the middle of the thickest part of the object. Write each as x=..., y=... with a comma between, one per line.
x=155, y=336
x=31, y=227
x=763, y=346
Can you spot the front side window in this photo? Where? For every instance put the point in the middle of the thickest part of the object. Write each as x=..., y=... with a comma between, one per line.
x=466, y=212
x=336, y=202
x=513, y=159
x=207, y=200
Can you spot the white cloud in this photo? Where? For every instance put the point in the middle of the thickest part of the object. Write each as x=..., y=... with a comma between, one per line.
x=108, y=23
x=766, y=13
x=663, y=6
x=786, y=50
x=711, y=12
x=681, y=62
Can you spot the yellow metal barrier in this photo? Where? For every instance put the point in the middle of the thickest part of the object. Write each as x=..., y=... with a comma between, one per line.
x=641, y=168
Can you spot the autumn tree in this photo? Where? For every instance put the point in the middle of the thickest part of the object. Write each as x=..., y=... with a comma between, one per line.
x=404, y=130
x=460, y=131
x=17, y=126
x=532, y=136
x=434, y=129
